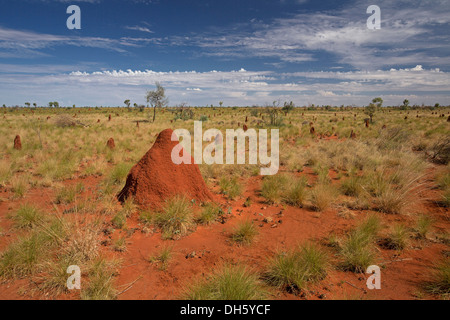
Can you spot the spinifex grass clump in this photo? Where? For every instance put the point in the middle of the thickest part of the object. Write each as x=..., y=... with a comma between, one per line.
x=119, y=220
x=22, y=257
x=228, y=283
x=210, y=212
x=67, y=194
x=28, y=216
x=353, y=185
x=100, y=286
x=423, y=225
x=19, y=186
x=398, y=238
x=284, y=188
x=296, y=192
x=176, y=217
x=440, y=280
x=162, y=257
x=120, y=244
x=244, y=233
x=119, y=173
x=357, y=251
x=231, y=187
x=322, y=196
x=273, y=187
x=395, y=191
x=294, y=269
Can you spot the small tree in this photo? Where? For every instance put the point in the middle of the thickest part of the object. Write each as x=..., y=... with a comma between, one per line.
x=378, y=101
x=288, y=106
x=405, y=104
x=274, y=116
x=50, y=104
x=127, y=103
x=157, y=98
x=27, y=104
x=370, y=110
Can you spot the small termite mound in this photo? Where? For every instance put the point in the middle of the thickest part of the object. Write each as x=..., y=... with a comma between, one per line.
x=111, y=144
x=17, y=143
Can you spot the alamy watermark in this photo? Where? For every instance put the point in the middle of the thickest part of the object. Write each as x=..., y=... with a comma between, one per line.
x=74, y=280
x=374, y=21
x=74, y=21
x=213, y=152
x=374, y=281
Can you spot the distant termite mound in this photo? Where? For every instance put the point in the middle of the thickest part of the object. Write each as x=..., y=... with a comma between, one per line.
x=17, y=143
x=155, y=177
x=352, y=135
x=110, y=143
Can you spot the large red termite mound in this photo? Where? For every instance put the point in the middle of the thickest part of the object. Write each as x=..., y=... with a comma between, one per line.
x=155, y=177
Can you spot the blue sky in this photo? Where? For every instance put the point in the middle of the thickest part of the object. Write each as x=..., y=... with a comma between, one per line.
x=243, y=52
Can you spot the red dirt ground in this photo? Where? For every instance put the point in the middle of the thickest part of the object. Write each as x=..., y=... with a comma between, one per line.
x=402, y=272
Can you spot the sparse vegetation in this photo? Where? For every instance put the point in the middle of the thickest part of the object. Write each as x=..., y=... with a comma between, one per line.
x=423, y=225
x=227, y=283
x=162, y=257
x=322, y=196
x=28, y=216
x=398, y=237
x=209, y=213
x=58, y=196
x=176, y=217
x=244, y=233
x=273, y=187
x=294, y=269
x=440, y=282
x=357, y=251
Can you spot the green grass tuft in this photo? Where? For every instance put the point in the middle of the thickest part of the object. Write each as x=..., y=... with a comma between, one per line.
x=293, y=270
x=244, y=233
x=228, y=283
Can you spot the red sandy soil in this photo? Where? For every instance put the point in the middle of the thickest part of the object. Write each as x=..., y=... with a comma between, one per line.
x=198, y=253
